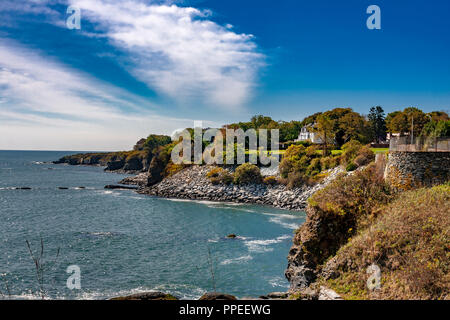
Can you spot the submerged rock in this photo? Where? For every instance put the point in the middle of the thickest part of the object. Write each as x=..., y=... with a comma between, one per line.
x=147, y=296
x=113, y=186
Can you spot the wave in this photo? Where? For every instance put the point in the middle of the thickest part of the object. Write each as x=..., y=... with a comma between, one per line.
x=283, y=215
x=237, y=260
x=101, y=234
x=262, y=245
x=279, y=282
x=211, y=204
x=181, y=291
x=280, y=219
x=286, y=225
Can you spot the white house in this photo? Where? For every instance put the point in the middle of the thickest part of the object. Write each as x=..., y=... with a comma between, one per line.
x=307, y=134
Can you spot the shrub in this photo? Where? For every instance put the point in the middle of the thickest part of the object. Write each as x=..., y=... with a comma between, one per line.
x=270, y=180
x=342, y=208
x=295, y=180
x=247, y=173
x=314, y=168
x=294, y=152
x=214, y=173
x=329, y=162
x=364, y=157
x=226, y=177
x=219, y=175
x=172, y=168
x=137, y=154
x=354, y=195
x=285, y=167
x=350, y=151
x=351, y=166
x=153, y=141
x=311, y=151
x=294, y=159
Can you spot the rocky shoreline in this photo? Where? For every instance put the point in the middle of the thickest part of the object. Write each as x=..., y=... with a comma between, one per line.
x=192, y=183
x=323, y=293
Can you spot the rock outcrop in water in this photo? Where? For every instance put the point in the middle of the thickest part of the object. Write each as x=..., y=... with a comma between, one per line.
x=140, y=159
x=123, y=162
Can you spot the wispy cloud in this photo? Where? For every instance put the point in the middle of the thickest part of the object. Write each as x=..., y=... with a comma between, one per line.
x=47, y=105
x=180, y=51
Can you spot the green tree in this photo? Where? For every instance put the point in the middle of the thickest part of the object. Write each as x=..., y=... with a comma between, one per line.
x=397, y=122
x=325, y=130
x=259, y=121
x=377, y=124
x=353, y=126
x=417, y=120
x=438, y=116
x=435, y=129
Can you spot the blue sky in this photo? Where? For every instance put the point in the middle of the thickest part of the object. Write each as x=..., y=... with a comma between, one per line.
x=142, y=66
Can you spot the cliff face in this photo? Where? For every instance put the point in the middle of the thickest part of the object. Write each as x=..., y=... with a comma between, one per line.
x=317, y=239
x=335, y=214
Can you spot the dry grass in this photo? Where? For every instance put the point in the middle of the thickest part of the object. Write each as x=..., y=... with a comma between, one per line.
x=409, y=241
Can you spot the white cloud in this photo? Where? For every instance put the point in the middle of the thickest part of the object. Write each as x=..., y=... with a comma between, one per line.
x=178, y=51
x=45, y=105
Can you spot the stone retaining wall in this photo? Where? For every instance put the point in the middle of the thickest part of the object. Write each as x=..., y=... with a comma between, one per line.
x=407, y=170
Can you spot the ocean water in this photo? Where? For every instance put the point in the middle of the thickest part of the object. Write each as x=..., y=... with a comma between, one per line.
x=126, y=243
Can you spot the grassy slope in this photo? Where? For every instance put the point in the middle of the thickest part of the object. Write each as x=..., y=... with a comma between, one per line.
x=409, y=241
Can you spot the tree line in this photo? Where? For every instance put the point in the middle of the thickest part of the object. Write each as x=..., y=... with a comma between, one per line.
x=341, y=125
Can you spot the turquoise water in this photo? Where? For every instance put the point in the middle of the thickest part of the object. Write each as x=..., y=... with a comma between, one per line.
x=126, y=243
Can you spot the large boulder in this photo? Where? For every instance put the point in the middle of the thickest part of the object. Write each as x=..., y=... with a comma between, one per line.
x=156, y=170
x=139, y=180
